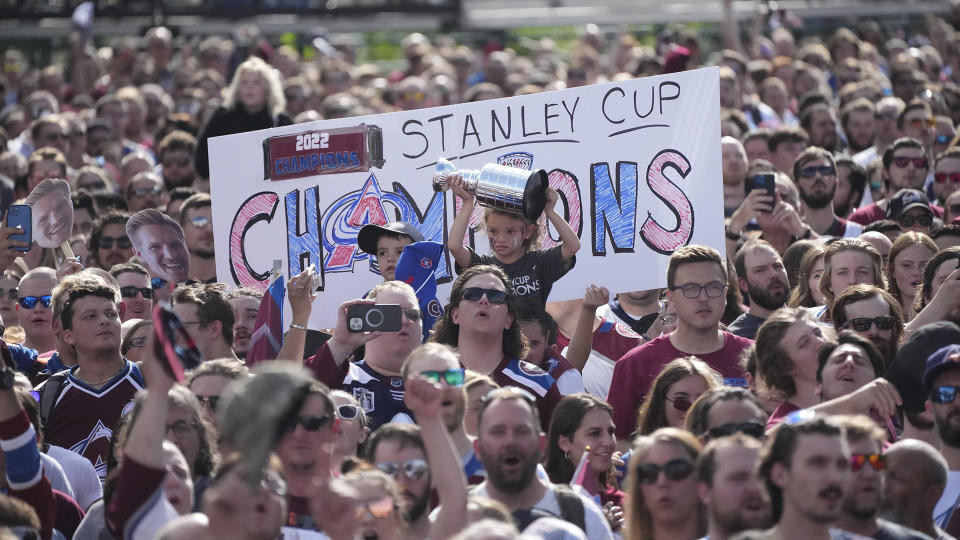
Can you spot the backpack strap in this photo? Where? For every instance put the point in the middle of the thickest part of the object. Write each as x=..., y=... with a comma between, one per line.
x=571, y=506
x=49, y=393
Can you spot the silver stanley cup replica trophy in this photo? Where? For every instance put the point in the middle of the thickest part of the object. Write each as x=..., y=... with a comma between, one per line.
x=503, y=188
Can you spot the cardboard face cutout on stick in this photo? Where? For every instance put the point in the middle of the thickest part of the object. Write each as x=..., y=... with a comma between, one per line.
x=158, y=241
x=52, y=212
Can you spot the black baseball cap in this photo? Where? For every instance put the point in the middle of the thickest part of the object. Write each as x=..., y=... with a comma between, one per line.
x=370, y=234
x=906, y=199
x=907, y=370
x=944, y=359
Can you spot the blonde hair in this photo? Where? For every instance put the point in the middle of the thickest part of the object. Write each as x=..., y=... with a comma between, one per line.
x=276, y=102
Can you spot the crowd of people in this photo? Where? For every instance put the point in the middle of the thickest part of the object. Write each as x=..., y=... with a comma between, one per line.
x=803, y=386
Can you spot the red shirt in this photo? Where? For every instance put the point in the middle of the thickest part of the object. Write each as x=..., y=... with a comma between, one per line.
x=872, y=212
x=633, y=374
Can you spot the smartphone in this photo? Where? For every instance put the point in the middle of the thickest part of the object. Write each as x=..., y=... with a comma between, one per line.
x=764, y=181
x=20, y=216
x=374, y=317
x=175, y=357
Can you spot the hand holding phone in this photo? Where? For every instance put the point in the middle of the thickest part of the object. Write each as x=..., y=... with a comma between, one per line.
x=374, y=317
x=765, y=182
x=20, y=216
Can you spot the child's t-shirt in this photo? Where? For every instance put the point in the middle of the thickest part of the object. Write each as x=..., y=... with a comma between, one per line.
x=533, y=274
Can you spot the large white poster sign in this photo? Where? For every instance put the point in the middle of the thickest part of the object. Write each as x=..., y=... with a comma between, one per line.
x=637, y=164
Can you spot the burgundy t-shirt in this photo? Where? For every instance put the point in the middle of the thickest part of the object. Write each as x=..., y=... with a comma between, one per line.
x=872, y=212
x=633, y=374
x=782, y=411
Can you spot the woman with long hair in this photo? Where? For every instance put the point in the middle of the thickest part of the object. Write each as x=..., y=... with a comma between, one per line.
x=253, y=101
x=908, y=256
x=677, y=386
x=582, y=423
x=806, y=293
x=662, y=501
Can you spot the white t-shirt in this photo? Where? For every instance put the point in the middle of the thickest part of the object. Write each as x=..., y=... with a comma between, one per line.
x=949, y=499
x=597, y=526
x=83, y=477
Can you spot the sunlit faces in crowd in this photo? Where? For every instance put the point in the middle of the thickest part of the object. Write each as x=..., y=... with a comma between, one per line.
x=261, y=511
x=946, y=175
x=938, y=269
x=8, y=299
x=252, y=90
x=908, y=256
x=476, y=387
x=112, y=246
x=198, y=230
x=580, y=423
x=908, y=168
x=734, y=160
x=764, y=276
x=729, y=487
x=509, y=442
x=177, y=483
x=674, y=390
x=135, y=339
x=397, y=345
x=353, y=423
x=508, y=235
x=34, y=304
x=379, y=507
x=441, y=365
x=405, y=461
x=94, y=326
x=210, y=379
x=312, y=437
x=662, y=489
x=914, y=477
x=389, y=249
x=865, y=440
x=816, y=177
x=874, y=314
x=145, y=191
x=847, y=366
x=702, y=308
x=849, y=262
x=481, y=315
x=724, y=411
x=136, y=293
x=946, y=415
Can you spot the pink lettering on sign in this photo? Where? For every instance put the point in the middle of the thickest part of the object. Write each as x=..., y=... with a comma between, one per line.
x=259, y=207
x=657, y=237
x=569, y=188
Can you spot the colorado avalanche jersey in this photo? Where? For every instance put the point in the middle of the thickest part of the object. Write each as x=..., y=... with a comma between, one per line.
x=611, y=340
x=83, y=417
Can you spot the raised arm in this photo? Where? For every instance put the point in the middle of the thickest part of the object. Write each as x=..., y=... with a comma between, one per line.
x=460, y=223
x=300, y=293
x=423, y=398
x=946, y=299
x=581, y=342
x=570, y=242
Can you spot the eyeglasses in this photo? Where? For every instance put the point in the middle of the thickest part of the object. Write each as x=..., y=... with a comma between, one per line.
x=138, y=342
x=942, y=139
x=918, y=162
x=209, y=401
x=942, y=177
x=453, y=377
x=681, y=404
x=181, y=428
x=30, y=302
x=413, y=314
x=857, y=461
x=862, y=324
x=413, y=469
x=95, y=185
x=147, y=192
x=924, y=220
x=675, y=469
x=199, y=221
x=944, y=394
x=921, y=122
x=348, y=412
x=378, y=508
x=752, y=428
x=11, y=293
x=824, y=170
x=106, y=242
x=310, y=423
x=54, y=136
x=158, y=283
x=692, y=290
x=474, y=294
x=131, y=292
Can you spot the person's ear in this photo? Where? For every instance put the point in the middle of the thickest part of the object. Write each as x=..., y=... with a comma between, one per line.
x=744, y=286
x=509, y=321
x=564, y=443
x=122, y=309
x=68, y=337
x=703, y=492
x=216, y=327
x=455, y=315
x=778, y=475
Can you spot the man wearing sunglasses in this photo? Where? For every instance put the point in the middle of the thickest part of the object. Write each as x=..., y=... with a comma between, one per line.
x=197, y=222
x=861, y=508
x=815, y=173
x=135, y=290
x=941, y=380
x=399, y=451
x=873, y=313
x=33, y=308
x=946, y=175
x=109, y=244
x=905, y=166
x=805, y=466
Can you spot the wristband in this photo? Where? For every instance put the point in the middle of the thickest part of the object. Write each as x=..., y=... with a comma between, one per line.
x=731, y=235
x=298, y=327
x=808, y=234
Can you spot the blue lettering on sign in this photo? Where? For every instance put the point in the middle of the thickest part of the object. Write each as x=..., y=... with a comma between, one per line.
x=313, y=162
x=613, y=209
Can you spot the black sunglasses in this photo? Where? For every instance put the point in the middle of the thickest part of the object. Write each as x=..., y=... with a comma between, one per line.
x=474, y=294
x=924, y=220
x=752, y=428
x=106, y=242
x=681, y=404
x=311, y=423
x=824, y=170
x=862, y=324
x=131, y=291
x=30, y=302
x=675, y=469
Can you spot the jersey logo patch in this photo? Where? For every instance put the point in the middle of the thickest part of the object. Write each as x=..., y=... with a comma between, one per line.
x=626, y=331
x=530, y=369
x=365, y=397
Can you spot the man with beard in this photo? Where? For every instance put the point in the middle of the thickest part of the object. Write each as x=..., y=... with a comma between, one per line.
x=815, y=174
x=941, y=380
x=439, y=362
x=109, y=243
x=510, y=444
x=398, y=450
x=197, y=222
x=873, y=313
x=734, y=159
x=905, y=166
x=91, y=398
x=819, y=121
x=729, y=487
x=761, y=274
x=861, y=507
x=805, y=466
x=207, y=317
x=858, y=121
x=851, y=183
x=246, y=306
x=159, y=242
x=914, y=476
